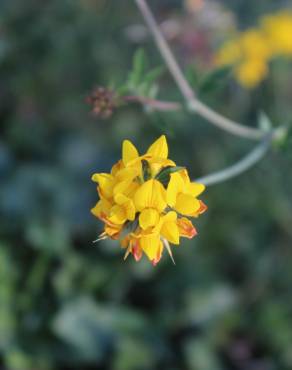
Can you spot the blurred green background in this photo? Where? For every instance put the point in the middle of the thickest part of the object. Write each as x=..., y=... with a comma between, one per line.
x=66, y=303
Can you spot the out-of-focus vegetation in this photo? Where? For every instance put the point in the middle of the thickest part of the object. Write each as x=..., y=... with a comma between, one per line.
x=251, y=51
x=68, y=304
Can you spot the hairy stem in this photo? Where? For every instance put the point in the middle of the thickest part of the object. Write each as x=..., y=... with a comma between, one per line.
x=241, y=166
x=153, y=103
x=193, y=103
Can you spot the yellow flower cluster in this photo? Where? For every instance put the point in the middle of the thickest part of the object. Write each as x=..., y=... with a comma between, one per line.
x=145, y=199
x=251, y=51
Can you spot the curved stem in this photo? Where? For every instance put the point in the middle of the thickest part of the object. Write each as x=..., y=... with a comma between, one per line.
x=194, y=104
x=153, y=103
x=241, y=166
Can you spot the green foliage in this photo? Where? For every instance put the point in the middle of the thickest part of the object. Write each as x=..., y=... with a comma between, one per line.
x=208, y=83
x=68, y=303
x=97, y=327
x=140, y=81
x=164, y=175
x=146, y=170
x=264, y=122
x=214, y=80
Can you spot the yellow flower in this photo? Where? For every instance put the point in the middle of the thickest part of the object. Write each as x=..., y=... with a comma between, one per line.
x=251, y=72
x=253, y=44
x=230, y=53
x=181, y=194
x=251, y=51
x=143, y=199
x=278, y=30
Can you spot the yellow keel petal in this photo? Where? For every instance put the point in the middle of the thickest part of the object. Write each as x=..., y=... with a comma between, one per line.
x=149, y=217
x=117, y=215
x=186, y=204
x=151, y=245
x=151, y=194
x=175, y=186
x=170, y=232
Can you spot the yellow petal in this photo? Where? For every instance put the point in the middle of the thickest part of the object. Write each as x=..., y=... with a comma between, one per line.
x=103, y=206
x=175, y=186
x=127, y=205
x=186, y=204
x=151, y=194
x=105, y=182
x=185, y=176
x=117, y=215
x=130, y=210
x=117, y=167
x=101, y=178
x=161, y=161
x=126, y=187
x=169, y=231
x=96, y=210
x=128, y=173
x=195, y=189
x=149, y=217
x=170, y=216
x=129, y=152
x=158, y=254
x=156, y=164
x=113, y=230
x=120, y=199
x=199, y=211
x=136, y=249
x=151, y=245
x=159, y=148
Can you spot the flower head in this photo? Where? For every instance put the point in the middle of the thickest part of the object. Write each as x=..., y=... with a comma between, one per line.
x=145, y=201
x=251, y=51
x=103, y=102
x=278, y=29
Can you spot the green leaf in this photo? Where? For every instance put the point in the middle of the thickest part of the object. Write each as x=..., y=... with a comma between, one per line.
x=200, y=355
x=146, y=170
x=214, y=79
x=122, y=90
x=164, y=175
x=192, y=75
x=139, y=61
x=139, y=81
x=264, y=122
x=148, y=87
x=282, y=138
x=88, y=327
x=153, y=74
x=139, y=65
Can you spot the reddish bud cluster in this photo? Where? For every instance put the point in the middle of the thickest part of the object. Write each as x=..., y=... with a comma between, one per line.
x=102, y=101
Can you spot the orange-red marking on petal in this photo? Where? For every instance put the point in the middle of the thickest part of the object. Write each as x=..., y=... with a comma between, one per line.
x=137, y=251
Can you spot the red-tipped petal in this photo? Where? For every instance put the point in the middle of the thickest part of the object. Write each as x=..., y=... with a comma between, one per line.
x=137, y=252
x=186, y=228
x=202, y=208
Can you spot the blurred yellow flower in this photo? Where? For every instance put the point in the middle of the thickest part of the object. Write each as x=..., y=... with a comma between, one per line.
x=144, y=201
x=230, y=53
x=251, y=51
x=254, y=45
x=251, y=72
x=278, y=31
